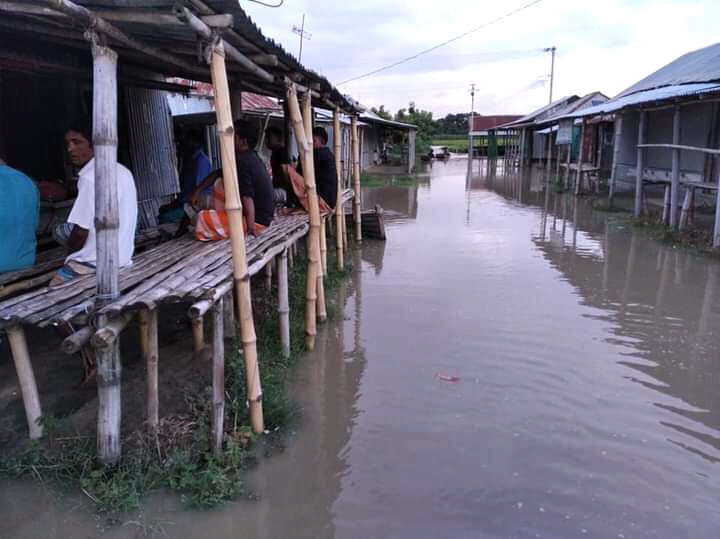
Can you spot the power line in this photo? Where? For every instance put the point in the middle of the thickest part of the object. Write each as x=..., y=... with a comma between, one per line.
x=451, y=40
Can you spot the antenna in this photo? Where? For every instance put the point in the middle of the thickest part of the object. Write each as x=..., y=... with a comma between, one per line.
x=303, y=35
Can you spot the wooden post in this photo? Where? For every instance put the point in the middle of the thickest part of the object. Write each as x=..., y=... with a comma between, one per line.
x=284, y=303
x=268, y=275
x=151, y=352
x=218, y=376
x=666, y=205
x=320, y=240
x=355, y=143
x=233, y=206
x=686, y=205
x=581, y=149
x=640, y=166
x=339, y=209
x=549, y=154
x=229, y=315
x=306, y=155
x=26, y=377
x=716, y=228
x=109, y=367
x=522, y=148
x=557, y=165
x=675, y=185
x=617, y=139
x=198, y=331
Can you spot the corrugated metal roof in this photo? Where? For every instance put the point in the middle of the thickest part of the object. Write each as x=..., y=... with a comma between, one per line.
x=694, y=67
x=592, y=99
x=656, y=95
x=483, y=123
x=369, y=116
x=47, y=31
x=542, y=112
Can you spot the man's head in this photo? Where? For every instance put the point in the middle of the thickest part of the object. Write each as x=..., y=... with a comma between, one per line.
x=245, y=136
x=78, y=142
x=3, y=156
x=193, y=140
x=274, y=138
x=320, y=137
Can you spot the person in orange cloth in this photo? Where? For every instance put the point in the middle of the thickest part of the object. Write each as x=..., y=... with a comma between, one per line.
x=256, y=192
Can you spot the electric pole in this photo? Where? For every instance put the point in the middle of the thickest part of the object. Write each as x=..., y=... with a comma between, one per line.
x=303, y=35
x=551, y=50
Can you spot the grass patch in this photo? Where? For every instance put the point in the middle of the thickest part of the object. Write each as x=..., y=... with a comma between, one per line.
x=180, y=458
x=697, y=239
x=373, y=180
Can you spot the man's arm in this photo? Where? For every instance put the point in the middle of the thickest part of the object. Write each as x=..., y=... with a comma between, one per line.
x=207, y=182
x=77, y=239
x=249, y=210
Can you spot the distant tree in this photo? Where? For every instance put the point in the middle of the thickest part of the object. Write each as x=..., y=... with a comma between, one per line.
x=382, y=112
x=453, y=124
x=424, y=121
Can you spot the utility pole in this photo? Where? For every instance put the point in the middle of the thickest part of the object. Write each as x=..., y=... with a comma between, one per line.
x=551, y=50
x=471, y=124
x=303, y=35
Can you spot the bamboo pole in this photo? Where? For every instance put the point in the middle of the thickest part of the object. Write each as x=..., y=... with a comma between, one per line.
x=109, y=366
x=26, y=377
x=581, y=150
x=268, y=275
x=233, y=207
x=567, y=166
x=108, y=334
x=313, y=243
x=323, y=245
x=320, y=287
x=716, y=226
x=675, y=184
x=640, y=166
x=339, y=207
x=74, y=343
x=151, y=353
x=616, y=156
x=218, y=385
x=284, y=303
x=198, y=332
x=229, y=314
x=355, y=143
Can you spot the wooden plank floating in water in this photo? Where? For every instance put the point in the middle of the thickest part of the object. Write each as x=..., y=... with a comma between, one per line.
x=372, y=222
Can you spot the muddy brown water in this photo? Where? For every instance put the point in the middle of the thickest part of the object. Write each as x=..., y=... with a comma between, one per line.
x=510, y=365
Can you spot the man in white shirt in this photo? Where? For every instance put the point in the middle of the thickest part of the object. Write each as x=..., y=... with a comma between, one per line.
x=78, y=234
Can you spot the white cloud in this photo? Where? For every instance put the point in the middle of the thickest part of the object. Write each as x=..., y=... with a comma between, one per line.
x=601, y=46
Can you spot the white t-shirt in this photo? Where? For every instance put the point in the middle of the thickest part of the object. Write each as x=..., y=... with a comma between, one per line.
x=83, y=214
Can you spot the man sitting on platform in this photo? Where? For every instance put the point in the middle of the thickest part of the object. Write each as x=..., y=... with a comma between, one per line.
x=256, y=192
x=19, y=214
x=325, y=171
x=78, y=233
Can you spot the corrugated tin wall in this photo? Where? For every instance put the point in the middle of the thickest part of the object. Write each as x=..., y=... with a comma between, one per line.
x=152, y=151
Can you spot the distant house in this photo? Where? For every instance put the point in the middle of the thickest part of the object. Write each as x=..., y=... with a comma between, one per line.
x=483, y=124
x=667, y=130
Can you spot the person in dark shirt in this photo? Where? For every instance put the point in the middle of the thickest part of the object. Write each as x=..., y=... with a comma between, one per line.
x=284, y=194
x=325, y=171
x=255, y=185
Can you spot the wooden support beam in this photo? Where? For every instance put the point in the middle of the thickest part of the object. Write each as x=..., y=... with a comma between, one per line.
x=74, y=343
x=269, y=60
x=581, y=150
x=323, y=245
x=640, y=165
x=284, y=302
x=716, y=228
x=151, y=354
x=339, y=206
x=233, y=207
x=355, y=143
x=26, y=377
x=109, y=366
x=92, y=21
x=313, y=242
x=229, y=314
x=617, y=139
x=202, y=29
x=110, y=332
x=675, y=181
x=218, y=375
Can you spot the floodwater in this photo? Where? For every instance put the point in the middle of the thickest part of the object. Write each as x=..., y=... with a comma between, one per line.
x=510, y=365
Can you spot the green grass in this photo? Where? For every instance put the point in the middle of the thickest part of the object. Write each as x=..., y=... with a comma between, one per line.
x=696, y=239
x=370, y=180
x=181, y=459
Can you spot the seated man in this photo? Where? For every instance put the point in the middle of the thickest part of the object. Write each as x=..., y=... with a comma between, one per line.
x=256, y=192
x=19, y=214
x=325, y=172
x=78, y=234
x=278, y=157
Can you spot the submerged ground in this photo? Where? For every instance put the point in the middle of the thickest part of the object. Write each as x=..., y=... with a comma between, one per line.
x=508, y=365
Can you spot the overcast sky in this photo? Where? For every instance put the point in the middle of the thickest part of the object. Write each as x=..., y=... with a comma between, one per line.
x=604, y=46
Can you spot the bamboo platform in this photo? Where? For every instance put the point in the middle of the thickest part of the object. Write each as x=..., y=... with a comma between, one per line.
x=179, y=270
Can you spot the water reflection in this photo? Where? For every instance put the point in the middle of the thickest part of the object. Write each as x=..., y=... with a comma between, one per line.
x=660, y=300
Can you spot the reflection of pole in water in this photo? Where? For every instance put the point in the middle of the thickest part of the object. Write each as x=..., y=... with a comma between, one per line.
x=575, y=221
x=357, y=277
x=606, y=260
x=555, y=212
x=543, y=221
x=711, y=278
x=628, y=273
x=564, y=216
x=664, y=278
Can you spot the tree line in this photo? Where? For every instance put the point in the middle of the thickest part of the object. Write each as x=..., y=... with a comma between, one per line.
x=428, y=127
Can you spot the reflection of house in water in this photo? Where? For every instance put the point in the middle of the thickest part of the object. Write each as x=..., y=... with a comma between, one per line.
x=397, y=201
x=662, y=303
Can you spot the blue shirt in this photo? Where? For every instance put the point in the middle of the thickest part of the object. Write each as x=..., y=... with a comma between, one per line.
x=19, y=214
x=195, y=170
